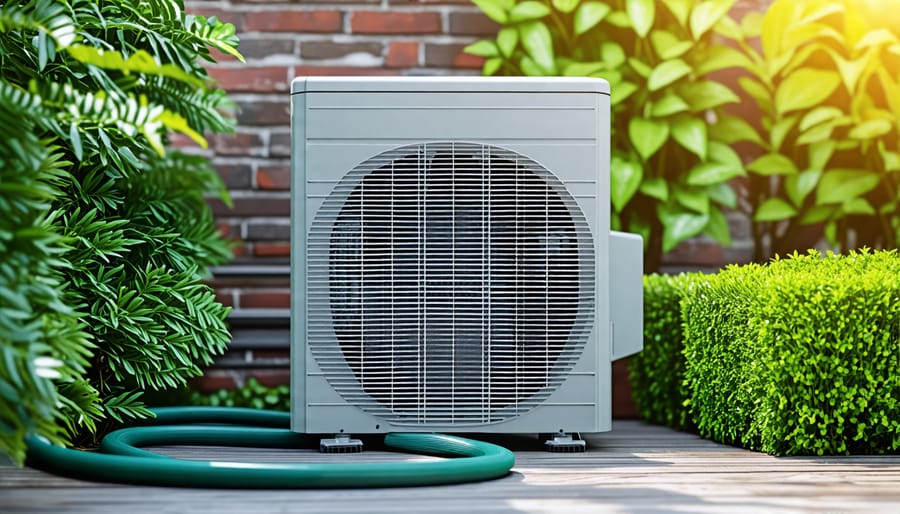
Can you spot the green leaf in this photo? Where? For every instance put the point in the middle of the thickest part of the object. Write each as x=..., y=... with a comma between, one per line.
x=583, y=69
x=795, y=92
x=799, y=186
x=565, y=6
x=723, y=194
x=483, y=48
x=691, y=134
x=780, y=131
x=492, y=66
x=640, y=67
x=818, y=214
x=706, y=94
x=680, y=9
x=706, y=15
x=680, y=226
x=870, y=129
x=840, y=185
x=612, y=54
x=528, y=10
x=619, y=19
x=668, y=105
x=694, y=199
x=588, y=15
x=876, y=37
x=507, y=39
x=757, y=91
x=773, y=164
x=720, y=57
x=819, y=115
x=624, y=180
x=647, y=136
x=774, y=209
x=493, y=9
x=655, y=188
x=816, y=134
x=709, y=173
x=138, y=62
x=538, y=42
x=891, y=159
x=75, y=141
x=667, y=45
x=530, y=68
x=621, y=93
x=731, y=129
x=858, y=206
x=641, y=13
x=717, y=228
x=666, y=73
x=820, y=153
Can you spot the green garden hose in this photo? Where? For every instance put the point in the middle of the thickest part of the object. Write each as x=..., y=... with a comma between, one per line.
x=121, y=460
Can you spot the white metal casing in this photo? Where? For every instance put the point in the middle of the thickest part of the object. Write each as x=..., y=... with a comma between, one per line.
x=561, y=124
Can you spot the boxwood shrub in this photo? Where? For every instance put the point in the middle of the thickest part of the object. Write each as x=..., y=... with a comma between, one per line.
x=798, y=357
x=657, y=372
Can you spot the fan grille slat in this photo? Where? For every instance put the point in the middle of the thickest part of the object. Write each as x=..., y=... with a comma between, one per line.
x=448, y=283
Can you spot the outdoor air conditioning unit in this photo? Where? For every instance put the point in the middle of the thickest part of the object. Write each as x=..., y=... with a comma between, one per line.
x=452, y=264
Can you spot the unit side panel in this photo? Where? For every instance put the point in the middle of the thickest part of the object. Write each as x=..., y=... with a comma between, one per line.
x=298, y=264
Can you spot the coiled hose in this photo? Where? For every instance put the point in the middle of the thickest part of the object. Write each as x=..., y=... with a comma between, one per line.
x=121, y=460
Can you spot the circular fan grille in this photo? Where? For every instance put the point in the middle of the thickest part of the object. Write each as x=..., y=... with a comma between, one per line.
x=448, y=283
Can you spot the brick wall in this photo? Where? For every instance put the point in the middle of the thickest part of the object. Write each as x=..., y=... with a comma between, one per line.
x=282, y=39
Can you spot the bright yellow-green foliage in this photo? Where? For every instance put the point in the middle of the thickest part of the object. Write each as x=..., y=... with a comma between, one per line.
x=827, y=81
x=798, y=357
x=669, y=171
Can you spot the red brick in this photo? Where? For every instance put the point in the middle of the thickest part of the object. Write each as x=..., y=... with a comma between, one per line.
x=310, y=71
x=213, y=380
x=329, y=49
x=402, y=54
x=472, y=24
x=450, y=56
x=382, y=22
x=293, y=21
x=272, y=249
x=239, y=143
x=240, y=251
x=229, y=230
x=274, y=178
x=280, y=144
x=271, y=377
x=177, y=140
x=258, y=79
x=225, y=297
x=622, y=401
x=235, y=176
x=259, y=205
x=264, y=112
x=265, y=300
x=223, y=15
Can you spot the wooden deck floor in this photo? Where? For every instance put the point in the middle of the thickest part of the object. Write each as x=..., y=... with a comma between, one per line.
x=635, y=468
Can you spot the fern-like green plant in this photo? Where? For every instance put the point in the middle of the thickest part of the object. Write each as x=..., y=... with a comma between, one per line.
x=104, y=233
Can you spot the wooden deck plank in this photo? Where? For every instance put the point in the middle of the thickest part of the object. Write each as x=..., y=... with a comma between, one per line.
x=635, y=468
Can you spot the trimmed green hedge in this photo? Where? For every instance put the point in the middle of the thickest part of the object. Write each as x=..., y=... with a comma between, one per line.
x=657, y=372
x=798, y=357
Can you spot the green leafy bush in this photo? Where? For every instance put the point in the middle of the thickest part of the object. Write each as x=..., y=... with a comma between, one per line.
x=670, y=172
x=108, y=234
x=657, y=372
x=251, y=395
x=825, y=78
x=798, y=357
